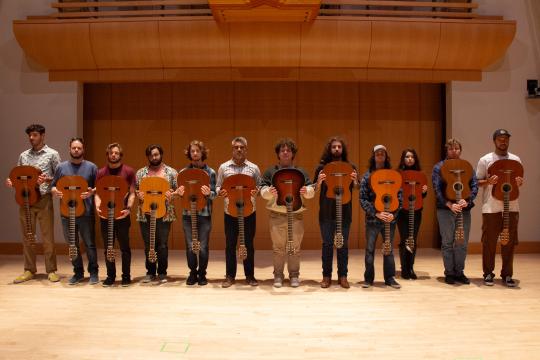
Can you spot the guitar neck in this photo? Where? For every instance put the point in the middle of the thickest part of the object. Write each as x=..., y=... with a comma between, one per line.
x=110, y=226
x=339, y=214
x=194, y=227
x=241, y=233
x=506, y=211
x=289, y=206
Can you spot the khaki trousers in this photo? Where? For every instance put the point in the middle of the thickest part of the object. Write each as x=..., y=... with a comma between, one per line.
x=278, y=233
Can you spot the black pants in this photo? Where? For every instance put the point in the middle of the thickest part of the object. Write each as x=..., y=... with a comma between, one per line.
x=231, y=237
x=161, y=245
x=121, y=233
x=405, y=256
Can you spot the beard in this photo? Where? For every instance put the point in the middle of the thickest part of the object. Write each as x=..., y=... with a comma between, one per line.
x=76, y=157
x=115, y=161
x=155, y=162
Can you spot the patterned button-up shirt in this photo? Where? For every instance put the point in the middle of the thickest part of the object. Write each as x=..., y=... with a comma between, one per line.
x=230, y=168
x=367, y=200
x=46, y=159
x=170, y=175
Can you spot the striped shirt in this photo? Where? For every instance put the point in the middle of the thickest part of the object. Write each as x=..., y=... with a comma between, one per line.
x=230, y=168
x=46, y=159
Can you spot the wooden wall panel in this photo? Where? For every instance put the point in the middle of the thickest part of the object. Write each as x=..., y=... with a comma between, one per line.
x=397, y=115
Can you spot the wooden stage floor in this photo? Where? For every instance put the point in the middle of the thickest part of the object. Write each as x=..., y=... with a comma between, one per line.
x=426, y=319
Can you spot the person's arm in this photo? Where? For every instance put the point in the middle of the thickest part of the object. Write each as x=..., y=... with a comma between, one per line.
x=365, y=202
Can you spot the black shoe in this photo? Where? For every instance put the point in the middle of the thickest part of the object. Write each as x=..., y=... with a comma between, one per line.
x=449, y=279
x=367, y=284
x=392, y=283
x=109, y=281
x=250, y=280
x=462, y=279
x=405, y=275
x=488, y=279
x=192, y=279
x=202, y=280
x=508, y=281
x=126, y=282
x=413, y=275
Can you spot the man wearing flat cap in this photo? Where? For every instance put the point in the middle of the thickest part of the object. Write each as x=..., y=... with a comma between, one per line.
x=492, y=210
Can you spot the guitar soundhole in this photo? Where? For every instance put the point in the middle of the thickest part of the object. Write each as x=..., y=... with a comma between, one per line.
x=153, y=206
x=240, y=204
x=288, y=199
x=412, y=197
x=110, y=204
x=506, y=188
x=72, y=203
x=338, y=190
x=25, y=193
x=387, y=199
x=193, y=198
x=458, y=186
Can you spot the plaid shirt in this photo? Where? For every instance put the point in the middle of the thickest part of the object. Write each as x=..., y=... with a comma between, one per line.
x=439, y=186
x=367, y=200
x=170, y=176
x=207, y=210
x=229, y=168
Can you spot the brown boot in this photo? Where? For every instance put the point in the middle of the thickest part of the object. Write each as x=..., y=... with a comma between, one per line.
x=325, y=283
x=343, y=282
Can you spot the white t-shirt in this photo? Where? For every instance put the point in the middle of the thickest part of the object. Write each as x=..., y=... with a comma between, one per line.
x=490, y=204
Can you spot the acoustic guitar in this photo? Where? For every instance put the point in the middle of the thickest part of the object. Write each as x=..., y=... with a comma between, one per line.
x=193, y=199
x=112, y=190
x=338, y=180
x=72, y=205
x=413, y=181
x=24, y=179
x=457, y=174
x=154, y=189
x=288, y=182
x=386, y=184
x=506, y=190
x=239, y=189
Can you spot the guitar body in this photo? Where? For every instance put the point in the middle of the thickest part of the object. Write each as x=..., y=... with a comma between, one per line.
x=413, y=181
x=288, y=183
x=154, y=189
x=112, y=190
x=192, y=179
x=24, y=179
x=72, y=187
x=457, y=174
x=338, y=180
x=507, y=170
x=386, y=184
x=239, y=189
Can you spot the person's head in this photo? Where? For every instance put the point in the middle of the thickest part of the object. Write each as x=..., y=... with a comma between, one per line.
x=286, y=150
x=76, y=148
x=154, y=153
x=196, y=151
x=239, y=149
x=114, y=153
x=453, y=149
x=409, y=160
x=36, y=135
x=334, y=150
x=379, y=158
x=501, y=139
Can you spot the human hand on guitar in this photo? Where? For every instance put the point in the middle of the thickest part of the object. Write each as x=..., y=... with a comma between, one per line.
x=124, y=213
x=223, y=193
x=303, y=190
x=273, y=191
x=457, y=207
x=181, y=190
x=88, y=193
x=424, y=189
x=254, y=192
x=169, y=194
x=8, y=182
x=519, y=180
x=57, y=193
x=42, y=178
x=385, y=216
x=320, y=179
x=140, y=195
x=205, y=190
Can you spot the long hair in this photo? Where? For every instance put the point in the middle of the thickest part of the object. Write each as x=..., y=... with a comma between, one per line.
x=151, y=147
x=326, y=156
x=204, y=150
x=372, y=165
x=416, y=165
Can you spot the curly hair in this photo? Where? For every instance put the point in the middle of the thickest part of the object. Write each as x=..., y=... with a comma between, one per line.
x=327, y=157
x=204, y=150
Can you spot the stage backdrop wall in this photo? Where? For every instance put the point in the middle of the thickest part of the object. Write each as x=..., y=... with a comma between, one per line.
x=173, y=114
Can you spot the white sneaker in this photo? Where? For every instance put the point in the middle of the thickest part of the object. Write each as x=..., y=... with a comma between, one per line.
x=278, y=282
x=295, y=282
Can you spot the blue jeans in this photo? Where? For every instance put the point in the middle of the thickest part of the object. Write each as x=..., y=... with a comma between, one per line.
x=84, y=227
x=389, y=266
x=453, y=256
x=161, y=246
x=204, y=225
x=328, y=229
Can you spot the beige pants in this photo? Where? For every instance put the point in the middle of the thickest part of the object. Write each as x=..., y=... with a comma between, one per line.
x=278, y=233
x=43, y=212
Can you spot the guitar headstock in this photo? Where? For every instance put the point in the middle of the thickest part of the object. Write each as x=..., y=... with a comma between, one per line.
x=196, y=247
x=386, y=248
x=504, y=237
x=73, y=253
x=409, y=244
x=338, y=240
x=242, y=252
x=111, y=254
x=152, y=256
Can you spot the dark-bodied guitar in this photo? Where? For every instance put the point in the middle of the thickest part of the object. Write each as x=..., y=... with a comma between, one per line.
x=154, y=189
x=24, y=179
x=112, y=191
x=413, y=181
x=72, y=205
x=288, y=182
x=506, y=190
x=338, y=180
x=239, y=189
x=193, y=199
x=457, y=174
x=386, y=184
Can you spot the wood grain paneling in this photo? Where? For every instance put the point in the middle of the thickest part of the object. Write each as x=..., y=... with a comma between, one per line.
x=396, y=114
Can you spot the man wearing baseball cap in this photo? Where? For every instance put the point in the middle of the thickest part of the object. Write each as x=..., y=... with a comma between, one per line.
x=492, y=209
